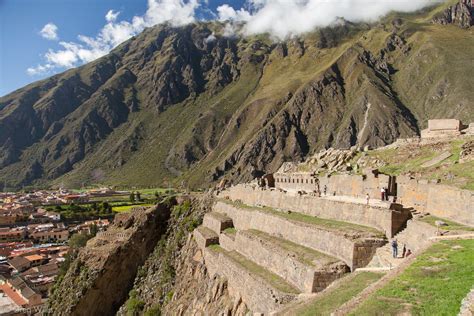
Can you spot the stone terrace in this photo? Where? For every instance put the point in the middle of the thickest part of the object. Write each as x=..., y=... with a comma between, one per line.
x=349, y=242
x=270, y=256
x=384, y=216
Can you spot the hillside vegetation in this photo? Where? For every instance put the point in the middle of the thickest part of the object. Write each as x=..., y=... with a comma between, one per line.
x=434, y=284
x=169, y=106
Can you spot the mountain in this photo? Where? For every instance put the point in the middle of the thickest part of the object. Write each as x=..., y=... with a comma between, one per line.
x=179, y=105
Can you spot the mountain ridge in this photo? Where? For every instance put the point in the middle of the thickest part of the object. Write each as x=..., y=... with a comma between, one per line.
x=170, y=106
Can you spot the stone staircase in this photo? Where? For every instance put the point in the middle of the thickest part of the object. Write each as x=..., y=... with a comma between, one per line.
x=415, y=236
x=270, y=258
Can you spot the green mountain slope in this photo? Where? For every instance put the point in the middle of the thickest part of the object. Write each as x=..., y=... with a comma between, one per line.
x=169, y=105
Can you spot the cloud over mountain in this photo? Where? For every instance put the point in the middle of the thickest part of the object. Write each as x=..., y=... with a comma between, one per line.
x=282, y=18
x=279, y=18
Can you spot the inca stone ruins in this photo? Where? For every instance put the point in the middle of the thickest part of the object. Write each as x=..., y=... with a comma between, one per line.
x=446, y=127
x=293, y=233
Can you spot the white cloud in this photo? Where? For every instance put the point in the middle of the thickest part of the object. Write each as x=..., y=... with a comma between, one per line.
x=283, y=18
x=38, y=70
x=211, y=38
x=227, y=13
x=71, y=54
x=49, y=31
x=229, y=30
x=111, y=16
x=279, y=18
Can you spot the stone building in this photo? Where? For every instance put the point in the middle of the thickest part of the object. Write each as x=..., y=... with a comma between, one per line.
x=445, y=127
x=297, y=181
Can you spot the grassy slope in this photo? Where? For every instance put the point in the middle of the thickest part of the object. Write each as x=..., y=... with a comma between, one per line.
x=411, y=158
x=434, y=284
x=337, y=295
x=434, y=82
x=450, y=225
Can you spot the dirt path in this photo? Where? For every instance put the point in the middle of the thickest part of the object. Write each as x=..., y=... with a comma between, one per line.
x=362, y=296
x=392, y=274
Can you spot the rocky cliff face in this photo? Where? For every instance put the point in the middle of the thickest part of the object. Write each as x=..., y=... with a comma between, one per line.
x=175, y=103
x=99, y=279
x=174, y=279
x=460, y=14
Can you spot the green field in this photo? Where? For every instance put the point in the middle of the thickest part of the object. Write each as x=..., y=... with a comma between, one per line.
x=126, y=208
x=434, y=284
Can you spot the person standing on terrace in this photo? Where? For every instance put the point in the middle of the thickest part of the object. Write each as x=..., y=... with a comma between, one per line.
x=395, y=248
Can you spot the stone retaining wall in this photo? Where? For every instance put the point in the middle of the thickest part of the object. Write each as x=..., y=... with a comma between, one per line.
x=329, y=242
x=205, y=237
x=255, y=292
x=226, y=241
x=216, y=222
x=417, y=235
x=304, y=276
x=437, y=199
x=385, y=219
x=358, y=185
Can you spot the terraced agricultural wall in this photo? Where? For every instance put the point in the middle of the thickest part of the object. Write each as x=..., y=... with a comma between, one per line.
x=354, y=252
x=389, y=219
x=299, y=273
x=258, y=296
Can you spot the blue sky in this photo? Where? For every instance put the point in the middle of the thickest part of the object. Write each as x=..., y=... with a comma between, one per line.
x=39, y=38
x=21, y=45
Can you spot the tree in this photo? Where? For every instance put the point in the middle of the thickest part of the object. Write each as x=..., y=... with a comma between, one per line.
x=132, y=197
x=138, y=196
x=158, y=197
x=78, y=241
x=93, y=230
x=105, y=207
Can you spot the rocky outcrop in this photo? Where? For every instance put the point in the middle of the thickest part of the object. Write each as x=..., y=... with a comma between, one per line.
x=467, y=152
x=99, y=279
x=196, y=291
x=174, y=279
x=460, y=14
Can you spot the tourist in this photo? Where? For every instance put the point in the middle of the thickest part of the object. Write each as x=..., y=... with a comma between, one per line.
x=367, y=197
x=395, y=248
x=408, y=253
x=386, y=194
x=404, y=250
x=382, y=194
x=325, y=189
